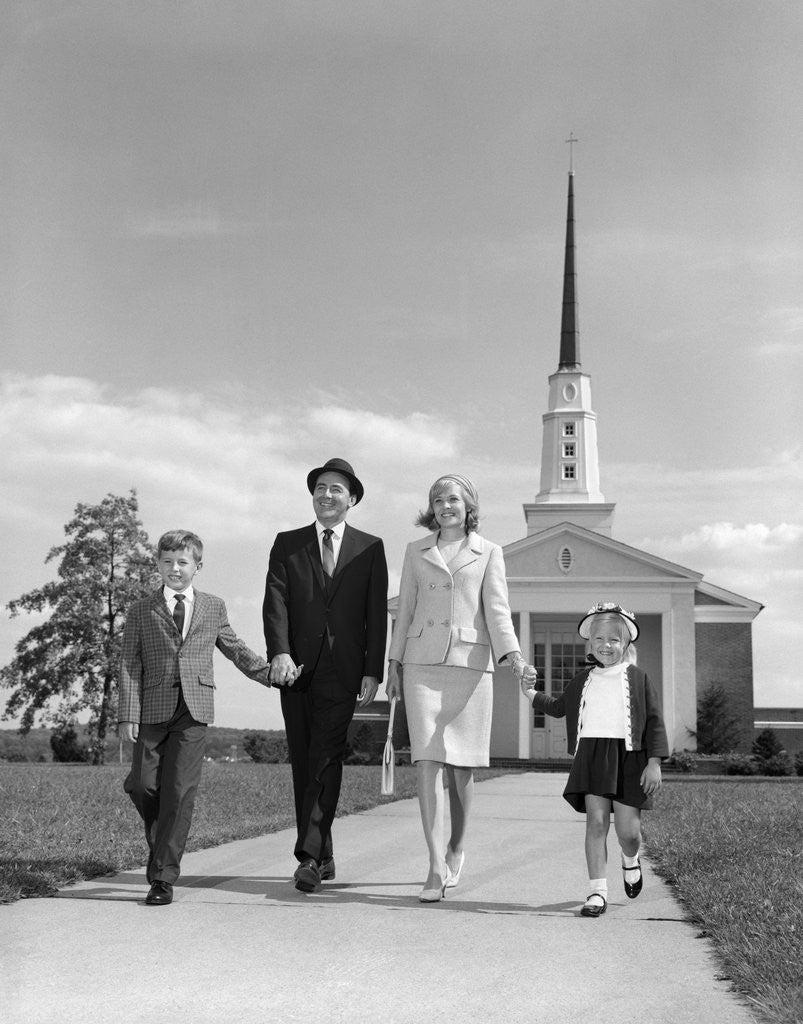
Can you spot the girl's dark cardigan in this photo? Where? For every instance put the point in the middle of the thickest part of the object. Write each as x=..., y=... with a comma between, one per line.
x=644, y=722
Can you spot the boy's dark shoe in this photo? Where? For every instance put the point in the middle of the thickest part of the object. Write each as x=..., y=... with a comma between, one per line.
x=307, y=876
x=159, y=894
x=327, y=869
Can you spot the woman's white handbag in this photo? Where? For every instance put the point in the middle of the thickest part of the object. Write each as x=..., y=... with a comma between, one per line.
x=388, y=757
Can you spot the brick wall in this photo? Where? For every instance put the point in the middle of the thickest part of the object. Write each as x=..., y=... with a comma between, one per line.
x=724, y=655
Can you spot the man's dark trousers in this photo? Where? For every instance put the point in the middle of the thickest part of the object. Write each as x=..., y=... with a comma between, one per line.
x=316, y=722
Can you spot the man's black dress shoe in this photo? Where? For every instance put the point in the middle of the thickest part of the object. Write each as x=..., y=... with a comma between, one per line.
x=159, y=894
x=327, y=869
x=631, y=891
x=307, y=876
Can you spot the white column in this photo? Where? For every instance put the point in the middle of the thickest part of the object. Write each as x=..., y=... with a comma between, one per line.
x=525, y=709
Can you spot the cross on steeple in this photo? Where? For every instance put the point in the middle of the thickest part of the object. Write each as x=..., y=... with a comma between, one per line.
x=571, y=141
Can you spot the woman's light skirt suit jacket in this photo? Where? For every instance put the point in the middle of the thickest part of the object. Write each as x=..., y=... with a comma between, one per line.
x=453, y=621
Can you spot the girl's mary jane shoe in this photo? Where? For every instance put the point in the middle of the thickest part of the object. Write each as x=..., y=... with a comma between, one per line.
x=594, y=909
x=633, y=889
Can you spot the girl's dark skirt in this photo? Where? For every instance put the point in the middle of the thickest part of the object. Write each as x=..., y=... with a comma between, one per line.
x=603, y=767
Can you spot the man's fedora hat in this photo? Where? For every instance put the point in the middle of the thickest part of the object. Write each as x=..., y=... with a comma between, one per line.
x=337, y=466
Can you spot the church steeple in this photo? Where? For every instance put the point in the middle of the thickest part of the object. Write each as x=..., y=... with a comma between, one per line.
x=569, y=334
x=570, y=486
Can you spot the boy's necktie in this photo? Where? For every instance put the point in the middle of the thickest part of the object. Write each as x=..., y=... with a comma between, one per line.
x=178, y=613
x=328, y=553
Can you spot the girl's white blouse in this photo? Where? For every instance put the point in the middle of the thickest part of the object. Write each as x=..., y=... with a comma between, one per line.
x=604, y=707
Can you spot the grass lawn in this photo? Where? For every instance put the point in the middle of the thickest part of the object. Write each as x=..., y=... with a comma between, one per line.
x=64, y=823
x=733, y=850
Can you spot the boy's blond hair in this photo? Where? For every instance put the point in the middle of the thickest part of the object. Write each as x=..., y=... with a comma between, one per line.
x=178, y=540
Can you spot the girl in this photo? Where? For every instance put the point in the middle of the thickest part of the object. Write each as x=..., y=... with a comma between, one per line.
x=615, y=729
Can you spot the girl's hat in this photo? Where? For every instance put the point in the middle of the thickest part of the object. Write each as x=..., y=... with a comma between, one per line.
x=608, y=608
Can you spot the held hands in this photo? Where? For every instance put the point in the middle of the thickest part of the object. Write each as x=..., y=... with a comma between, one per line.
x=526, y=675
x=283, y=671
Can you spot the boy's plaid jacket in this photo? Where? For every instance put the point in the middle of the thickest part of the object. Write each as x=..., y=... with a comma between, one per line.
x=154, y=659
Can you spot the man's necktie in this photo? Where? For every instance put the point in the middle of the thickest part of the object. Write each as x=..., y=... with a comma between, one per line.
x=178, y=613
x=328, y=553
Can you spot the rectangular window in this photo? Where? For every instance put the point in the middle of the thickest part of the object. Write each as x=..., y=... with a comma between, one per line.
x=569, y=449
x=568, y=429
x=569, y=471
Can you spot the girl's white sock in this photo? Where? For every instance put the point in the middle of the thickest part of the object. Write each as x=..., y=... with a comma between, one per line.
x=631, y=866
x=598, y=887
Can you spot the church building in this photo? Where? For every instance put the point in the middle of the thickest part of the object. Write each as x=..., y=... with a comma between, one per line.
x=692, y=633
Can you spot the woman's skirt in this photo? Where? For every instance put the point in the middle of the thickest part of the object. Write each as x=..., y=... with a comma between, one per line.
x=448, y=714
x=603, y=767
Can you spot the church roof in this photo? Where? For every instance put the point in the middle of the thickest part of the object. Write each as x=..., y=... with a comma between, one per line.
x=601, y=554
x=584, y=557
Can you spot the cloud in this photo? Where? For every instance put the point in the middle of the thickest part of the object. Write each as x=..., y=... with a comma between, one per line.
x=220, y=458
x=756, y=560
x=186, y=224
x=754, y=538
x=221, y=464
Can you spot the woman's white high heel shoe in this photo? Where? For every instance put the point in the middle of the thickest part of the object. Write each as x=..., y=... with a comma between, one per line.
x=453, y=877
x=434, y=895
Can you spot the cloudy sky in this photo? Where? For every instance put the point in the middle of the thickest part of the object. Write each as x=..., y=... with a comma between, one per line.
x=239, y=238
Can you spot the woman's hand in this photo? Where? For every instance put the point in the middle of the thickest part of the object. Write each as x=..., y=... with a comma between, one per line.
x=395, y=683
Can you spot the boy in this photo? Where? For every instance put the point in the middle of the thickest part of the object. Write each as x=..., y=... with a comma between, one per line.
x=167, y=700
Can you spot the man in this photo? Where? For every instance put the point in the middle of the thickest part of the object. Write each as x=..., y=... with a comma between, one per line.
x=325, y=615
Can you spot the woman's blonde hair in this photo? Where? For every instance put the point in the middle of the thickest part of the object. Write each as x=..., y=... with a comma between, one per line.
x=470, y=497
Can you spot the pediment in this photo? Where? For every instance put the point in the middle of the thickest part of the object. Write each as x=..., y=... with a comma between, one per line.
x=592, y=555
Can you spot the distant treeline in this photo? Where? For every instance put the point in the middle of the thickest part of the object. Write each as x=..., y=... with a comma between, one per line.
x=220, y=743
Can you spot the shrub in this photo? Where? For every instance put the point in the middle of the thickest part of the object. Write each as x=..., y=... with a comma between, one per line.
x=738, y=764
x=684, y=760
x=365, y=746
x=263, y=748
x=778, y=764
x=65, y=746
x=766, y=745
x=718, y=728
x=799, y=763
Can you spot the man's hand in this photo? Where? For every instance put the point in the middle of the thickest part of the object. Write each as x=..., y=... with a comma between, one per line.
x=283, y=671
x=129, y=731
x=367, y=690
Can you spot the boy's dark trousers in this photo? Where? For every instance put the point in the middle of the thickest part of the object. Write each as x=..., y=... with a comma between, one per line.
x=164, y=777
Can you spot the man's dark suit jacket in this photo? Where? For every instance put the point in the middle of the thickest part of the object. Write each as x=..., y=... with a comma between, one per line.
x=300, y=611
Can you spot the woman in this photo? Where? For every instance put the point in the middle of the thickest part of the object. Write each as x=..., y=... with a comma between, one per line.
x=453, y=619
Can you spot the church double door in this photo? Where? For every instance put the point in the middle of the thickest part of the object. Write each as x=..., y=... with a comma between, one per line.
x=558, y=654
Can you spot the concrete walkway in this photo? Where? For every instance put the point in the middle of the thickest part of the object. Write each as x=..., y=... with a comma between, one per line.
x=241, y=944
